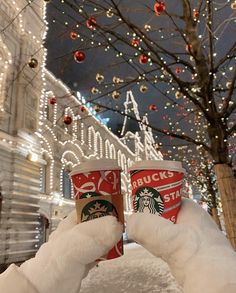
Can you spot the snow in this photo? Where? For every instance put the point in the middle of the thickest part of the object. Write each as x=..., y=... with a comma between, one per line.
x=137, y=271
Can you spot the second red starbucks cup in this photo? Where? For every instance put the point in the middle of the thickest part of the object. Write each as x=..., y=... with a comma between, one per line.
x=97, y=191
x=156, y=187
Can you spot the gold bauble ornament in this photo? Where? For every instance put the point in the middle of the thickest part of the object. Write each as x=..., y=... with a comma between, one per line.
x=233, y=5
x=115, y=95
x=117, y=80
x=33, y=63
x=228, y=84
x=97, y=108
x=143, y=88
x=94, y=90
x=178, y=95
x=99, y=78
x=109, y=13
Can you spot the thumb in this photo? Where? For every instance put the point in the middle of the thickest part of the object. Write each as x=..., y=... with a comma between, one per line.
x=162, y=238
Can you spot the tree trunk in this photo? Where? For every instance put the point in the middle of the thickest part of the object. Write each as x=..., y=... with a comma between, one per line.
x=227, y=189
x=216, y=217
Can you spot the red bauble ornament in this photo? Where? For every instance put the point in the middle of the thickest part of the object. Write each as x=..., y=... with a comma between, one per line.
x=178, y=70
x=195, y=14
x=73, y=35
x=152, y=107
x=134, y=42
x=188, y=47
x=79, y=56
x=83, y=109
x=143, y=59
x=67, y=120
x=52, y=101
x=91, y=22
x=159, y=7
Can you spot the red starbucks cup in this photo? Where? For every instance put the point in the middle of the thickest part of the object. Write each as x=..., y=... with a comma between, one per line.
x=97, y=192
x=156, y=187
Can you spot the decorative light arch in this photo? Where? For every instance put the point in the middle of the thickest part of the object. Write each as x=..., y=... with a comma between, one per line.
x=91, y=137
x=99, y=144
x=119, y=158
x=112, y=152
x=107, y=148
x=72, y=159
x=5, y=61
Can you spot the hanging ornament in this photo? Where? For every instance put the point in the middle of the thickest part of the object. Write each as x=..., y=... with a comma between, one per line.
x=147, y=27
x=109, y=13
x=73, y=35
x=156, y=146
x=67, y=120
x=188, y=48
x=115, y=95
x=178, y=94
x=233, y=5
x=94, y=90
x=159, y=7
x=143, y=88
x=228, y=84
x=134, y=42
x=99, y=78
x=195, y=14
x=33, y=63
x=91, y=23
x=117, y=80
x=152, y=107
x=52, y=101
x=97, y=108
x=178, y=70
x=83, y=109
x=143, y=59
x=79, y=56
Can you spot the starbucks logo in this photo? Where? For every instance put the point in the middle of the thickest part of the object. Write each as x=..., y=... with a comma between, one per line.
x=148, y=199
x=96, y=209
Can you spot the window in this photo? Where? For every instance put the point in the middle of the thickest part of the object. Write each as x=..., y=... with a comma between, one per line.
x=43, y=172
x=66, y=184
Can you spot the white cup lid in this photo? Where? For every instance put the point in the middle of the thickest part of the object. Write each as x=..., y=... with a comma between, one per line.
x=161, y=165
x=95, y=165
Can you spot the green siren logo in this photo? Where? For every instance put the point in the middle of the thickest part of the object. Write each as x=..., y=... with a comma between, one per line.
x=148, y=199
x=96, y=209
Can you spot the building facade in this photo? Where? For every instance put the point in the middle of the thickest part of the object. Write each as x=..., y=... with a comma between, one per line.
x=45, y=131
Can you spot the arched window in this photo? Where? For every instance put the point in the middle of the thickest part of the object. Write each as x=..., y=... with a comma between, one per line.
x=119, y=158
x=99, y=145
x=45, y=172
x=123, y=163
x=107, y=149
x=91, y=137
x=66, y=184
x=112, y=152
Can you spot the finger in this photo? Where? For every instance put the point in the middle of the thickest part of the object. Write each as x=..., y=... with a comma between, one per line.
x=195, y=217
x=90, y=240
x=161, y=237
x=66, y=224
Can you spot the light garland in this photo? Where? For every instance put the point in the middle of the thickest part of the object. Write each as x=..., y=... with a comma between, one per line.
x=47, y=131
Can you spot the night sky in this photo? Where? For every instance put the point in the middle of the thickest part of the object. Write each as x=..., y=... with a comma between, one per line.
x=82, y=76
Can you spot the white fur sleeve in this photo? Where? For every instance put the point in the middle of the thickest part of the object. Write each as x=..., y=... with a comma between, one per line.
x=13, y=281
